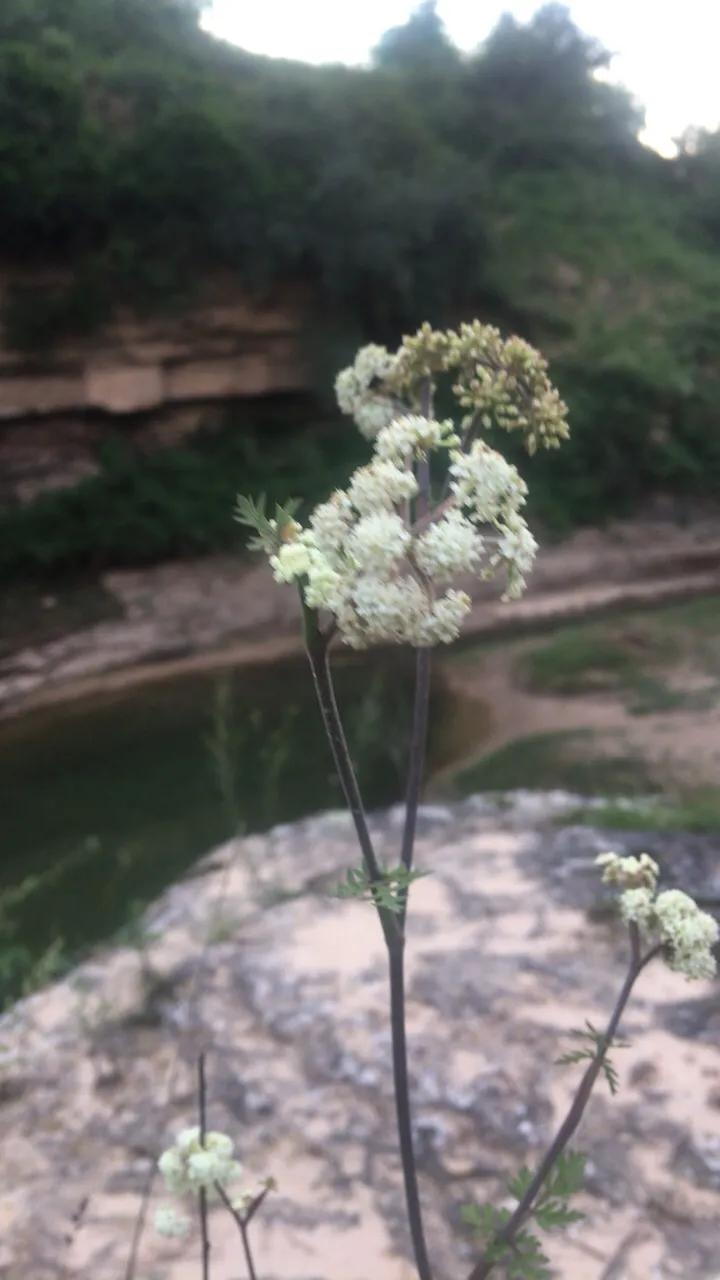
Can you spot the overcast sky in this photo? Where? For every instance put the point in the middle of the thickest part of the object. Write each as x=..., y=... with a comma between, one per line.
x=667, y=52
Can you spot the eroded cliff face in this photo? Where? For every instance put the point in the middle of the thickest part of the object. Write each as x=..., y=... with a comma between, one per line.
x=156, y=375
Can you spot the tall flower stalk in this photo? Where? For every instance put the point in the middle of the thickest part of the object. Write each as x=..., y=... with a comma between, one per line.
x=376, y=564
x=387, y=561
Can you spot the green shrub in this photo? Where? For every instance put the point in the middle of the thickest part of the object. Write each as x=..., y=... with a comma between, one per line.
x=177, y=501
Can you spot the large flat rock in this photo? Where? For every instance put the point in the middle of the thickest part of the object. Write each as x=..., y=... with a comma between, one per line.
x=284, y=987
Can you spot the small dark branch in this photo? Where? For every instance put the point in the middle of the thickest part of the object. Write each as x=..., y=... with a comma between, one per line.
x=396, y=952
x=652, y=954
x=247, y=1251
x=575, y=1113
x=202, y=1194
x=255, y=1205
x=416, y=763
x=202, y=1099
x=140, y=1222
x=317, y=651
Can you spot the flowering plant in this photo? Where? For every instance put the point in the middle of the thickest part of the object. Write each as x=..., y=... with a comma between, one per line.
x=388, y=560
x=434, y=503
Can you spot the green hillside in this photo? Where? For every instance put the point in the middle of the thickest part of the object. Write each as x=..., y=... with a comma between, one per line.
x=509, y=183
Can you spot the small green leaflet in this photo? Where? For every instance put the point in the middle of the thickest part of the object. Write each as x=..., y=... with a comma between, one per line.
x=589, y=1052
x=253, y=514
x=523, y=1258
x=388, y=893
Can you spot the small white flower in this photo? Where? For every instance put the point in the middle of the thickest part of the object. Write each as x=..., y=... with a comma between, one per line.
x=380, y=486
x=188, y=1140
x=292, y=561
x=330, y=523
x=388, y=610
x=377, y=542
x=450, y=546
x=325, y=587
x=358, y=393
x=445, y=620
x=172, y=1167
x=168, y=1222
x=485, y=483
x=372, y=413
x=413, y=436
x=636, y=905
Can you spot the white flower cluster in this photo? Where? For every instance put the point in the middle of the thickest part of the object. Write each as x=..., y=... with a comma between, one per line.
x=688, y=934
x=364, y=559
x=190, y=1165
x=361, y=390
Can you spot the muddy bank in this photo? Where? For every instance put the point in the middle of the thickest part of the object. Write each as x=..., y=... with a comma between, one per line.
x=188, y=616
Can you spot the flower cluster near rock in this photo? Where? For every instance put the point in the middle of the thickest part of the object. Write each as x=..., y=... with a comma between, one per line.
x=686, y=933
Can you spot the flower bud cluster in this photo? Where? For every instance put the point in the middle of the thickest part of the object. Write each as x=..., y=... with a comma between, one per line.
x=384, y=575
x=500, y=382
x=688, y=934
x=505, y=383
x=630, y=872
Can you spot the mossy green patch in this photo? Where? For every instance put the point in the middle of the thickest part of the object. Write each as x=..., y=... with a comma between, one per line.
x=697, y=811
x=632, y=657
x=567, y=759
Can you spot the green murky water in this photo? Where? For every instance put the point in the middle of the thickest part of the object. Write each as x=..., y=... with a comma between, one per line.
x=104, y=803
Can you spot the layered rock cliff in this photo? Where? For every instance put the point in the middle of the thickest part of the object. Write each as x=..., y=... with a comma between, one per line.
x=157, y=374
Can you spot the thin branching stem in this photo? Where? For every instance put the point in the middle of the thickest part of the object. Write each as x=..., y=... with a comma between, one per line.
x=202, y=1194
x=317, y=645
x=243, y=1224
x=575, y=1112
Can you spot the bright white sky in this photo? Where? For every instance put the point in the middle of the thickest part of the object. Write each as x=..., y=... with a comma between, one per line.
x=666, y=51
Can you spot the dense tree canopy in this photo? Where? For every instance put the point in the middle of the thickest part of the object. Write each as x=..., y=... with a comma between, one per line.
x=508, y=183
x=146, y=151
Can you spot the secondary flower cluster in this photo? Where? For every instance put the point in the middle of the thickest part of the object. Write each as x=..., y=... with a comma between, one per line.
x=673, y=917
x=362, y=390
x=499, y=382
x=190, y=1165
x=381, y=567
